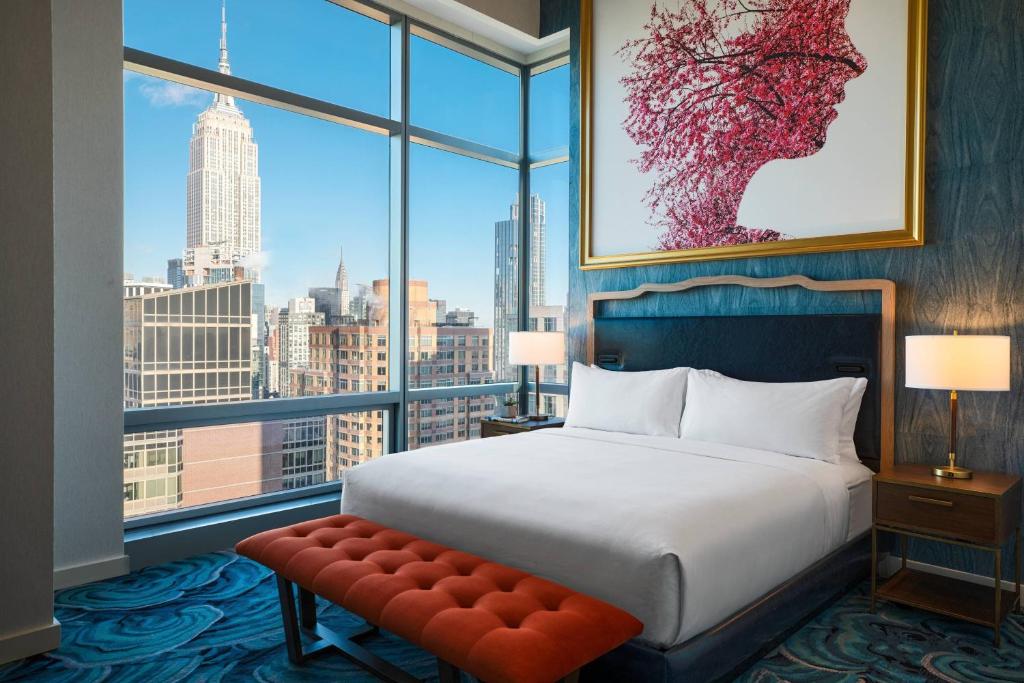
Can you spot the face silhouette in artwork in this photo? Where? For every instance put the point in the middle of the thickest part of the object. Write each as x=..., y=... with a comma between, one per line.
x=718, y=88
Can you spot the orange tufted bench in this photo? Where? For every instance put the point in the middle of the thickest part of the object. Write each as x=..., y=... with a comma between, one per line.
x=496, y=623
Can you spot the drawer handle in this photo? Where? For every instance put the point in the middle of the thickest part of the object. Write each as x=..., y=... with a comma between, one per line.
x=932, y=501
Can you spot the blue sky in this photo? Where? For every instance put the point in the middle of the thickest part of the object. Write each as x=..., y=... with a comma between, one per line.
x=325, y=186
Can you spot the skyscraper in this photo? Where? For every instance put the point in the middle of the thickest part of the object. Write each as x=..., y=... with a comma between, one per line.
x=187, y=346
x=223, y=216
x=326, y=301
x=223, y=205
x=341, y=283
x=293, y=328
x=175, y=273
x=335, y=302
x=506, y=282
x=538, y=248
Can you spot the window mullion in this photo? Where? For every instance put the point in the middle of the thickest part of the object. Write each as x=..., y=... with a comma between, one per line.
x=525, y=228
x=226, y=84
x=399, y=240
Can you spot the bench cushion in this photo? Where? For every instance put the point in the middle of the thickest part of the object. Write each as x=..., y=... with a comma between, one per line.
x=497, y=623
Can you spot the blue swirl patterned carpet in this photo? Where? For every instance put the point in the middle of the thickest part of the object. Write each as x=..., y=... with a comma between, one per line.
x=215, y=618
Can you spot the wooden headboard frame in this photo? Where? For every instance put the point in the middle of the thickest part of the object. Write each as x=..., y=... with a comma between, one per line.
x=887, y=288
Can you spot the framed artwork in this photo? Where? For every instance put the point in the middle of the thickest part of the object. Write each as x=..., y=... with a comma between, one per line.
x=732, y=128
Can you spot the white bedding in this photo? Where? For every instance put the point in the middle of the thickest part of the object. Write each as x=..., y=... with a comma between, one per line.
x=679, y=533
x=858, y=483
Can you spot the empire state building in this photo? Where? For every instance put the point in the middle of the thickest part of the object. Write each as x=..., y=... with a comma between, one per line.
x=223, y=206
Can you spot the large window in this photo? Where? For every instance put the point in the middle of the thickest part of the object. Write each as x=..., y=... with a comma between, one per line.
x=549, y=111
x=310, y=281
x=284, y=215
x=463, y=96
x=463, y=237
x=463, y=243
x=171, y=469
x=309, y=47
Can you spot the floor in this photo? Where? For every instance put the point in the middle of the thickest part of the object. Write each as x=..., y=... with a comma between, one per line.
x=215, y=618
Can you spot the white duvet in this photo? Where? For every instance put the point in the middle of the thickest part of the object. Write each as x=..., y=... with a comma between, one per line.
x=679, y=533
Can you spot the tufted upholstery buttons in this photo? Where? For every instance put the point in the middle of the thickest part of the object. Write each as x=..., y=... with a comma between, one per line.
x=499, y=624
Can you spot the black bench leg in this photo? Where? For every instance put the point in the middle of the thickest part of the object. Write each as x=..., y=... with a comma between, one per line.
x=574, y=677
x=307, y=608
x=325, y=638
x=446, y=673
x=292, y=638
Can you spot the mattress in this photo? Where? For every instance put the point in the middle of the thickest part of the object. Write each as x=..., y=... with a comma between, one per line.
x=679, y=533
x=858, y=484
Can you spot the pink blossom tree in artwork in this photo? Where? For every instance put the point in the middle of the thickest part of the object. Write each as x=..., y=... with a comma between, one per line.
x=717, y=89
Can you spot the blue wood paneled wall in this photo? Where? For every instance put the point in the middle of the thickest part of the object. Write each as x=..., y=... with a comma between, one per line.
x=969, y=275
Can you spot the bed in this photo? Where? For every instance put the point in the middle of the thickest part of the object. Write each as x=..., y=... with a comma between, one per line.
x=718, y=549
x=679, y=533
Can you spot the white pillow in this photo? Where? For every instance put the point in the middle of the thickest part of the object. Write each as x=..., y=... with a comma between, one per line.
x=796, y=418
x=648, y=402
x=847, y=450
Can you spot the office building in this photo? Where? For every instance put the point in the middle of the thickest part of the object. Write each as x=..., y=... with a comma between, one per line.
x=176, y=273
x=506, y=277
x=354, y=358
x=293, y=338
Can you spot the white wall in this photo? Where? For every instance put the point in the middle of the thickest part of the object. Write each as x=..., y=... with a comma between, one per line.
x=88, y=217
x=26, y=364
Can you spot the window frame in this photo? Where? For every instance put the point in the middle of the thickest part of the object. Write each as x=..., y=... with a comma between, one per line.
x=401, y=134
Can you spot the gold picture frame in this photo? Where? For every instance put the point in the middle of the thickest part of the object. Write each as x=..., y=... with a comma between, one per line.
x=911, y=235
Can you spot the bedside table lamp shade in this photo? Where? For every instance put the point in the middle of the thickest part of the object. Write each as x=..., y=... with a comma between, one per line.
x=968, y=362
x=536, y=348
x=954, y=363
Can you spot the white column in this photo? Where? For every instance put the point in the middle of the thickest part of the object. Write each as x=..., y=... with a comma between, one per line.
x=88, y=265
x=26, y=364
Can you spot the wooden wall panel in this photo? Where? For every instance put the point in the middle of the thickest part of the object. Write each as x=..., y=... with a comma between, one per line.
x=970, y=273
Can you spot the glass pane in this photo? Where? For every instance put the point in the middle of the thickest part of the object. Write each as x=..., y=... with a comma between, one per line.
x=463, y=291
x=179, y=468
x=347, y=357
x=549, y=262
x=447, y=420
x=551, y=404
x=310, y=47
x=461, y=96
x=549, y=111
x=275, y=225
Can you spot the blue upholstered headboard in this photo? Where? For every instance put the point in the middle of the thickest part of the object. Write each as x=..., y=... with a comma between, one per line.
x=764, y=348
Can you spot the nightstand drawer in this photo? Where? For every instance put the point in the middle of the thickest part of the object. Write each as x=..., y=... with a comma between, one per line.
x=492, y=429
x=945, y=513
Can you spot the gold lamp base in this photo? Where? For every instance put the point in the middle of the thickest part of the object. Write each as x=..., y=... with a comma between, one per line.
x=953, y=472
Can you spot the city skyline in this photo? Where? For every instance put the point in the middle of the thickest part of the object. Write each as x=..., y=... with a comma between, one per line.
x=220, y=318
x=311, y=192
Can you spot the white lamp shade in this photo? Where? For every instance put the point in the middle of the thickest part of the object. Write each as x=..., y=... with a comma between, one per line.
x=968, y=362
x=536, y=348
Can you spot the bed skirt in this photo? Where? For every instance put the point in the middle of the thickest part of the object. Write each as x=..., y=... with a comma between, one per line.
x=727, y=649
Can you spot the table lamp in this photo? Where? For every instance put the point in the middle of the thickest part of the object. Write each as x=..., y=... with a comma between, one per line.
x=537, y=349
x=957, y=362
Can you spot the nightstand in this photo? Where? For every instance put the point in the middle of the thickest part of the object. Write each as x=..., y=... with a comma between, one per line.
x=981, y=513
x=491, y=427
